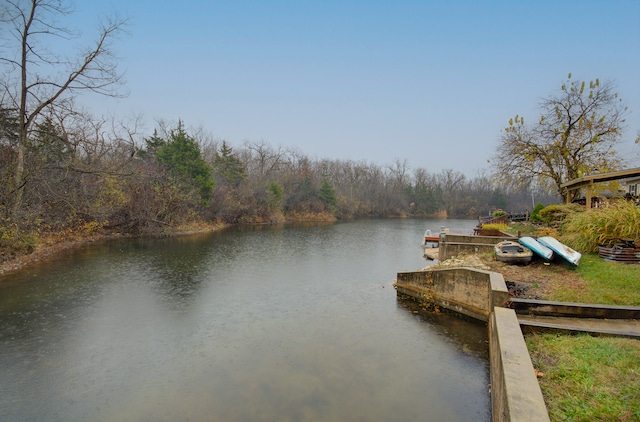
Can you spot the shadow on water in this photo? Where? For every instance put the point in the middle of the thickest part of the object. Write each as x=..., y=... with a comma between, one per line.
x=467, y=334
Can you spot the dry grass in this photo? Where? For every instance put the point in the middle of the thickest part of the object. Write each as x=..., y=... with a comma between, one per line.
x=585, y=231
x=539, y=280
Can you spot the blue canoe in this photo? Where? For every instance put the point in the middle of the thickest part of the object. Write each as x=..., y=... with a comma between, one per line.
x=561, y=249
x=536, y=247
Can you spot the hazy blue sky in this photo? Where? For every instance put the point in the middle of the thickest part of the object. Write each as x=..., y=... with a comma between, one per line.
x=433, y=82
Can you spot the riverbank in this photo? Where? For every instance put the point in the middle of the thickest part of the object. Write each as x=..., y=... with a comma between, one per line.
x=582, y=377
x=53, y=245
x=47, y=251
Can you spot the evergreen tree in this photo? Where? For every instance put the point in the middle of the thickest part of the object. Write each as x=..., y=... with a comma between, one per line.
x=227, y=167
x=8, y=127
x=275, y=195
x=154, y=143
x=48, y=143
x=181, y=155
x=327, y=193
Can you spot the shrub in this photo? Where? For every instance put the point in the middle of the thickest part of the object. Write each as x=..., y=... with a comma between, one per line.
x=555, y=215
x=499, y=213
x=547, y=231
x=498, y=227
x=585, y=231
x=14, y=243
x=535, y=214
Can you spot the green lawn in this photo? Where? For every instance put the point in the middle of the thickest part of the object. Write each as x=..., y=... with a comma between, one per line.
x=606, y=282
x=587, y=378
x=590, y=378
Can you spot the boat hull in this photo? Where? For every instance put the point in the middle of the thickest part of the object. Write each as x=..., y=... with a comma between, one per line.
x=537, y=247
x=430, y=241
x=561, y=249
x=513, y=253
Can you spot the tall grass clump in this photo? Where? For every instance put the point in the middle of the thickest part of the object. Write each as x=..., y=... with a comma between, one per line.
x=555, y=215
x=602, y=226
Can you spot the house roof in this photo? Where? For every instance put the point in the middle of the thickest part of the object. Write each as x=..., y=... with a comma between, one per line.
x=602, y=177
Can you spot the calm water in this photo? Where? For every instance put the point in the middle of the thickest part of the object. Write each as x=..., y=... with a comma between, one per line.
x=299, y=323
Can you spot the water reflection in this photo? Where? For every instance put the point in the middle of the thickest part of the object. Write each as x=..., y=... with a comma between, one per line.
x=467, y=334
x=247, y=324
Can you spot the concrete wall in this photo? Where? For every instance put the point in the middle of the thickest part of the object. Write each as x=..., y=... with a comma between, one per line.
x=451, y=245
x=467, y=291
x=515, y=392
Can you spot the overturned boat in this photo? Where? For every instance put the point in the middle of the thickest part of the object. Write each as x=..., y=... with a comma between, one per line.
x=513, y=253
x=561, y=249
x=537, y=247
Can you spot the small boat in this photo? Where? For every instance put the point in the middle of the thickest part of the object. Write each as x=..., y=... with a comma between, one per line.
x=511, y=252
x=561, y=249
x=430, y=241
x=537, y=247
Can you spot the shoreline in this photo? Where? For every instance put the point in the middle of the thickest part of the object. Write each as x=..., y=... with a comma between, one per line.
x=48, y=250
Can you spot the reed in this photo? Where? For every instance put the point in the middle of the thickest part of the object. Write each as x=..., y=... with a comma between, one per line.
x=602, y=226
x=556, y=214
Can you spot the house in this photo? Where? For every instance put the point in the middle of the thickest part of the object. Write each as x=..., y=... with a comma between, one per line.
x=633, y=186
x=630, y=178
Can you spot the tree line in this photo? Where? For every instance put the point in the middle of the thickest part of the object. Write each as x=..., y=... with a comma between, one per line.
x=79, y=172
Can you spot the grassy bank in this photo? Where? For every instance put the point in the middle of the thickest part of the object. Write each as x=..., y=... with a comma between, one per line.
x=586, y=378
x=603, y=282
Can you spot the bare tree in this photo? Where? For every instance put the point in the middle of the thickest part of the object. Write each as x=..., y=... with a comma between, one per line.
x=397, y=173
x=575, y=134
x=262, y=160
x=36, y=78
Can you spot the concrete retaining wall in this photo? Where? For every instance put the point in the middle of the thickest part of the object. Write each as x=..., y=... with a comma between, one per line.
x=515, y=392
x=464, y=290
x=451, y=245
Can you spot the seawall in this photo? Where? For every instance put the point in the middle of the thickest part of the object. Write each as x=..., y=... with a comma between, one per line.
x=467, y=291
x=451, y=245
x=515, y=392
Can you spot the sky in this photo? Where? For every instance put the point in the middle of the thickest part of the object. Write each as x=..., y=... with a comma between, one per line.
x=431, y=82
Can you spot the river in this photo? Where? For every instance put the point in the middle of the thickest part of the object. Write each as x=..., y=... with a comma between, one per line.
x=290, y=323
